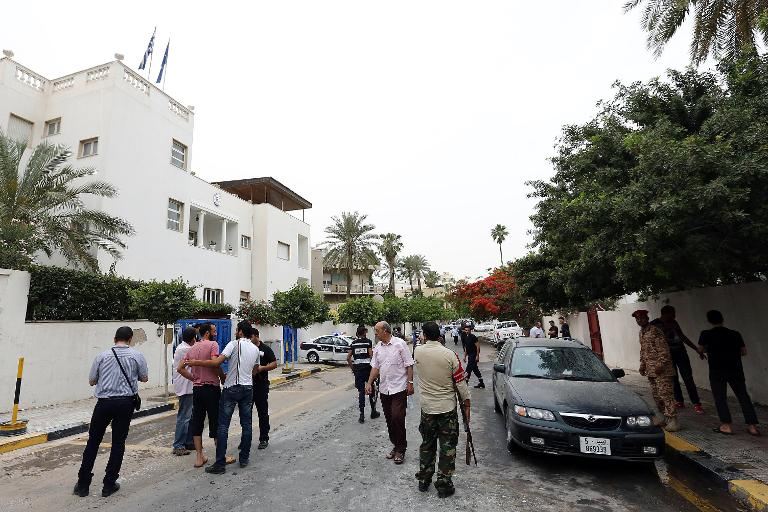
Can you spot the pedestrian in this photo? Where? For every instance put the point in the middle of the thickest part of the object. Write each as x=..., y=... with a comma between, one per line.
x=441, y=377
x=359, y=360
x=393, y=365
x=537, y=331
x=677, y=342
x=183, y=442
x=267, y=362
x=455, y=334
x=243, y=356
x=656, y=364
x=725, y=349
x=565, y=329
x=116, y=373
x=472, y=356
x=206, y=392
x=552, y=329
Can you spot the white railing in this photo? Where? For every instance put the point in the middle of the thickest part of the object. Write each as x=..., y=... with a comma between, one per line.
x=65, y=83
x=97, y=74
x=31, y=79
x=179, y=110
x=356, y=288
x=138, y=83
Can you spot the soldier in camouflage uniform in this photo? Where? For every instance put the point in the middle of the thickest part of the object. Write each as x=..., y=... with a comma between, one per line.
x=656, y=364
x=440, y=376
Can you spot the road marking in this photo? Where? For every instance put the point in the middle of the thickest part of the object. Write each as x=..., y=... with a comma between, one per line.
x=690, y=496
x=308, y=401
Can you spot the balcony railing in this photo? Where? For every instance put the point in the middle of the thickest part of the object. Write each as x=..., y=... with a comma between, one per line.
x=356, y=289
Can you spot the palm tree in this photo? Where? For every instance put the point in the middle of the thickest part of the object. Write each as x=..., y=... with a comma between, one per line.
x=413, y=267
x=499, y=234
x=389, y=248
x=723, y=28
x=42, y=207
x=351, y=244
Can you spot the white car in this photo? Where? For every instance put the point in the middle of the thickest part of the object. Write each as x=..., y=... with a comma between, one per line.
x=484, y=327
x=330, y=348
x=502, y=331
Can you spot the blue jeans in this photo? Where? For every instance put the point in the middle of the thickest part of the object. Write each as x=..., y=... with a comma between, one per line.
x=183, y=434
x=242, y=397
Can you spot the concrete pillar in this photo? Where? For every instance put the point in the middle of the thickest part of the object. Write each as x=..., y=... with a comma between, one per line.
x=224, y=236
x=200, y=230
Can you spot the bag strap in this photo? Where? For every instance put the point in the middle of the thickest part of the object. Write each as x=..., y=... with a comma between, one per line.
x=130, y=386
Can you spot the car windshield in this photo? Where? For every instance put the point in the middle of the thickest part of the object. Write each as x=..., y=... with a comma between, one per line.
x=559, y=363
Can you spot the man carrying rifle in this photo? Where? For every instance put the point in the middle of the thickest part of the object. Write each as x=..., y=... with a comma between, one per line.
x=441, y=377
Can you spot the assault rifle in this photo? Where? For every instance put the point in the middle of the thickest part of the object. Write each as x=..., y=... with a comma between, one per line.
x=470, y=446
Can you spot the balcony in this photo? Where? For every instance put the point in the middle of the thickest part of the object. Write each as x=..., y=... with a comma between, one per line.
x=212, y=232
x=357, y=289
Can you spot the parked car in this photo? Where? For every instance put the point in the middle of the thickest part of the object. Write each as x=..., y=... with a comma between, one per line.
x=485, y=327
x=330, y=348
x=559, y=398
x=502, y=331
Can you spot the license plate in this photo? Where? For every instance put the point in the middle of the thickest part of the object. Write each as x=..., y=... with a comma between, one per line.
x=595, y=445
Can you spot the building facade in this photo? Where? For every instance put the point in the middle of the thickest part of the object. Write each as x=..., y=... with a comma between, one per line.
x=234, y=239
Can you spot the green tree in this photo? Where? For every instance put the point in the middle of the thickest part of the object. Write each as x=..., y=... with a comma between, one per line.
x=361, y=310
x=259, y=312
x=394, y=310
x=413, y=267
x=298, y=307
x=431, y=279
x=42, y=208
x=723, y=28
x=163, y=303
x=351, y=244
x=389, y=247
x=499, y=233
x=425, y=309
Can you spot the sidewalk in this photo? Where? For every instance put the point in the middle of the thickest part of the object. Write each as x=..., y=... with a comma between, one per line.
x=739, y=462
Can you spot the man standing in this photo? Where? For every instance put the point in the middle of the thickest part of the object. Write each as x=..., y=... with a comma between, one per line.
x=359, y=359
x=183, y=387
x=440, y=378
x=115, y=373
x=455, y=333
x=656, y=364
x=472, y=356
x=677, y=341
x=565, y=330
x=537, y=331
x=726, y=348
x=243, y=356
x=393, y=364
x=267, y=363
x=552, y=329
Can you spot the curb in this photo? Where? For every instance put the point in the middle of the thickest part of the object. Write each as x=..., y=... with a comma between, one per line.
x=749, y=492
x=283, y=379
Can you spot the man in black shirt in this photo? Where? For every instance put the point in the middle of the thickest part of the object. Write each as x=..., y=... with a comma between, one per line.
x=725, y=349
x=565, y=330
x=472, y=355
x=359, y=359
x=267, y=362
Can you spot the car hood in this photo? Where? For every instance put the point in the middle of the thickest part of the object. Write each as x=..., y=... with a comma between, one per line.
x=601, y=398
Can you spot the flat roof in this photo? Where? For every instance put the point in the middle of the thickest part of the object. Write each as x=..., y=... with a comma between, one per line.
x=265, y=190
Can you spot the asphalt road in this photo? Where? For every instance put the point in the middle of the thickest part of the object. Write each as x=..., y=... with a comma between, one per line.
x=320, y=458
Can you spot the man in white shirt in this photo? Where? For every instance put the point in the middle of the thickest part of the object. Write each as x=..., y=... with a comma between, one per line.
x=537, y=331
x=243, y=356
x=183, y=388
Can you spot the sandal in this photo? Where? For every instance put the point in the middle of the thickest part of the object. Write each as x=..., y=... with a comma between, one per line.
x=230, y=459
x=399, y=458
x=756, y=433
x=718, y=431
x=391, y=455
x=205, y=461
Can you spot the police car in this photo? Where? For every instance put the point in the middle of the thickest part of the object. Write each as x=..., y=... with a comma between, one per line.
x=327, y=348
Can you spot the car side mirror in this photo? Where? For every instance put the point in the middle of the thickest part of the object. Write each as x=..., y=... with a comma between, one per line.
x=499, y=367
x=618, y=373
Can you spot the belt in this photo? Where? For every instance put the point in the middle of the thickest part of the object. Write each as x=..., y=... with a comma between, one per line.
x=125, y=397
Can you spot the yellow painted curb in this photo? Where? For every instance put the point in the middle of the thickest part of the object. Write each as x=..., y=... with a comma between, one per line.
x=305, y=373
x=22, y=442
x=680, y=444
x=753, y=492
x=277, y=380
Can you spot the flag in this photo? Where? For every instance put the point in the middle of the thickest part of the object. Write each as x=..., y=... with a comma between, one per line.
x=147, y=53
x=165, y=61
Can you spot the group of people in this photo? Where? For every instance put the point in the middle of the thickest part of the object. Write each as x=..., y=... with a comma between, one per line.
x=664, y=357
x=552, y=332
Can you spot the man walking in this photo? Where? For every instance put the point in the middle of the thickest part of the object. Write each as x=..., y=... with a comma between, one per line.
x=656, y=364
x=472, y=356
x=565, y=329
x=359, y=359
x=243, y=356
x=537, y=331
x=455, y=333
x=726, y=348
x=393, y=365
x=267, y=363
x=677, y=342
x=440, y=378
x=115, y=373
x=183, y=441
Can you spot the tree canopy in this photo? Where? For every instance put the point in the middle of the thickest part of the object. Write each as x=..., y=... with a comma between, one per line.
x=351, y=245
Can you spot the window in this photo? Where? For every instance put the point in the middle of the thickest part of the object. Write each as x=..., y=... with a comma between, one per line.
x=20, y=129
x=245, y=296
x=283, y=251
x=179, y=154
x=89, y=147
x=245, y=242
x=52, y=127
x=303, y=248
x=213, y=295
x=175, y=214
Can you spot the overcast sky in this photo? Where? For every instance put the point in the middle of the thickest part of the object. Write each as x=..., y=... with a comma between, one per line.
x=428, y=116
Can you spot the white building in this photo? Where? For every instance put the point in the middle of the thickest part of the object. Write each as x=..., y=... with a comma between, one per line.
x=234, y=239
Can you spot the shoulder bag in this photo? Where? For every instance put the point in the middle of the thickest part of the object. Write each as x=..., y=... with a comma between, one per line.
x=136, y=397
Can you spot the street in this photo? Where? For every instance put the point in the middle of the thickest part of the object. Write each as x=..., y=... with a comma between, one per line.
x=320, y=458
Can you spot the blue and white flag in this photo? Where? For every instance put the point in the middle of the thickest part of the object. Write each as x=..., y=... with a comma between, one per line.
x=165, y=61
x=147, y=53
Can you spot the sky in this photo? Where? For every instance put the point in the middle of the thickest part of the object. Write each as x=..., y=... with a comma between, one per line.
x=427, y=116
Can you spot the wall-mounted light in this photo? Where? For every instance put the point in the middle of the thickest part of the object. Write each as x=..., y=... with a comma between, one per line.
x=159, y=330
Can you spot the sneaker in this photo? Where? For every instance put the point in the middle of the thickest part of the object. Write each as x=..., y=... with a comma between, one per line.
x=698, y=409
x=680, y=405
x=672, y=425
x=424, y=486
x=180, y=451
x=109, y=489
x=361, y=419
x=375, y=414
x=215, y=469
x=262, y=445
x=480, y=385
x=444, y=492
x=80, y=490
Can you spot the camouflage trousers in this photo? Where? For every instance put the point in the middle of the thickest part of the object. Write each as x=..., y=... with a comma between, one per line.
x=662, y=389
x=445, y=429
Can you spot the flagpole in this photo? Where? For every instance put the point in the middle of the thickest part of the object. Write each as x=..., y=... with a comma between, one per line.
x=165, y=70
x=149, y=71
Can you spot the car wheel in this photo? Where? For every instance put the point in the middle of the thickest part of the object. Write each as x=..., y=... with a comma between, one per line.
x=313, y=358
x=511, y=446
x=496, y=406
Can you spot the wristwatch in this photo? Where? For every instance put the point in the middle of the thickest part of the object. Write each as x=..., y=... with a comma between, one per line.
x=410, y=382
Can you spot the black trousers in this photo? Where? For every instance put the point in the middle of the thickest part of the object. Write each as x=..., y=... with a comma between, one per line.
x=261, y=402
x=472, y=367
x=394, y=412
x=118, y=412
x=205, y=402
x=719, y=383
x=683, y=369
